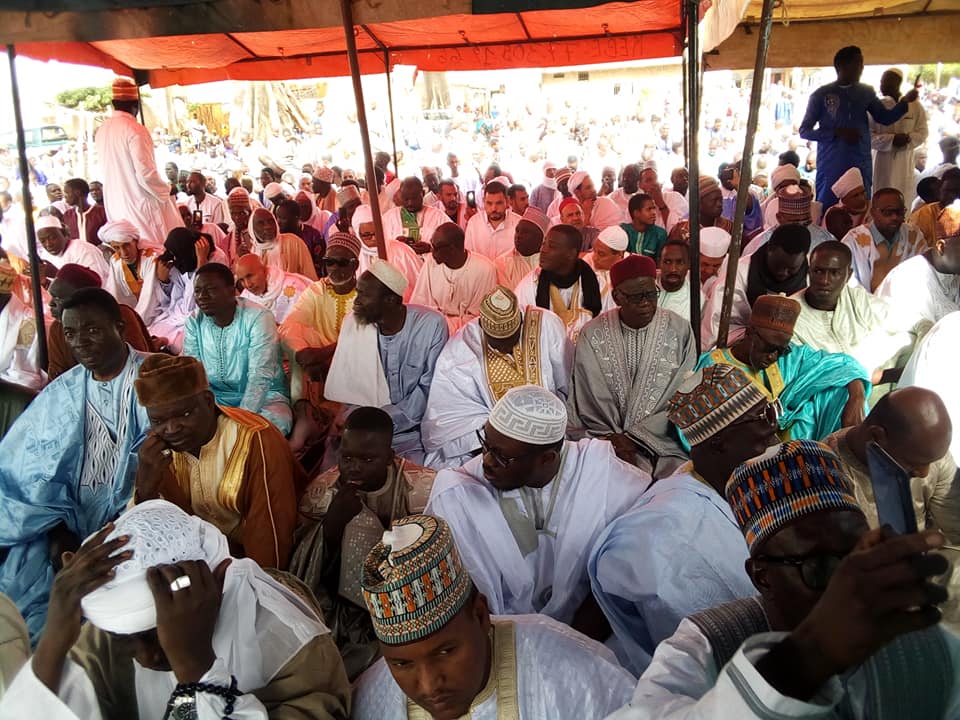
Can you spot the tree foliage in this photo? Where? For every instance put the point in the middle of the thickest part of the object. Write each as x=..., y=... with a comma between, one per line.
x=95, y=99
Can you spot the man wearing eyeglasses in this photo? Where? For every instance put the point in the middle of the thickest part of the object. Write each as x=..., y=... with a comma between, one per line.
x=310, y=333
x=627, y=365
x=528, y=510
x=845, y=622
x=642, y=584
x=399, y=254
x=817, y=392
x=884, y=240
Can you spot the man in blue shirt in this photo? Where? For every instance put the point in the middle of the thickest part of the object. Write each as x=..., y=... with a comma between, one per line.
x=836, y=119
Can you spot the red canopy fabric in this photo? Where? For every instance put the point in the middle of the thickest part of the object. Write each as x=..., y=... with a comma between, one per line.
x=611, y=32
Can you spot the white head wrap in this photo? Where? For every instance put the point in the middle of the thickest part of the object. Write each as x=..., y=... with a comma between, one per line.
x=261, y=620
x=253, y=234
x=576, y=180
x=782, y=173
x=272, y=190
x=614, y=237
x=714, y=242
x=848, y=182
x=530, y=414
x=548, y=165
x=48, y=221
x=363, y=214
x=116, y=232
x=389, y=276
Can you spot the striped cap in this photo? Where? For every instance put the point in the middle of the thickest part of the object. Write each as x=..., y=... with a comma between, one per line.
x=413, y=580
x=711, y=400
x=787, y=482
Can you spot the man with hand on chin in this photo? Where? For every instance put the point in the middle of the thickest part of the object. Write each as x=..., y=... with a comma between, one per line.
x=176, y=628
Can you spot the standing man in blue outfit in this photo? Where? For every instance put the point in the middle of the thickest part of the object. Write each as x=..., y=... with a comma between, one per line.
x=836, y=119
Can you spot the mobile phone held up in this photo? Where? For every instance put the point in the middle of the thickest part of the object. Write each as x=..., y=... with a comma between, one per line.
x=471, y=200
x=891, y=491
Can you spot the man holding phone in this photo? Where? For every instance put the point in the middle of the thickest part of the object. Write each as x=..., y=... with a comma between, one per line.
x=907, y=436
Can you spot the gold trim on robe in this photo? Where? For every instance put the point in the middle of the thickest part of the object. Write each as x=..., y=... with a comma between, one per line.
x=522, y=366
x=760, y=378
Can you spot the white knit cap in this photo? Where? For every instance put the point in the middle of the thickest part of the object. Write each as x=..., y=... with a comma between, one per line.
x=576, y=180
x=48, y=221
x=782, y=173
x=160, y=534
x=389, y=276
x=272, y=190
x=363, y=214
x=614, y=237
x=116, y=232
x=848, y=182
x=530, y=414
x=714, y=242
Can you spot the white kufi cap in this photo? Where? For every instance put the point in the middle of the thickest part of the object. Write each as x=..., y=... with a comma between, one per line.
x=576, y=180
x=848, y=182
x=530, y=414
x=782, y=173
x=614, y=237
x=389, y=276
x=714, y=242
x=48, y=221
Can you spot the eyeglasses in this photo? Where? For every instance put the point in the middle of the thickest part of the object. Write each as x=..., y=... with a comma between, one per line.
x=502, y=461
x=815, y=570
x=770, y=414
x=338, y=262
x=651, y=296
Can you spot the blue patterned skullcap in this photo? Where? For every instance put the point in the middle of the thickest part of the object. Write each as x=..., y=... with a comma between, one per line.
x=413, y=580
x=787, y=482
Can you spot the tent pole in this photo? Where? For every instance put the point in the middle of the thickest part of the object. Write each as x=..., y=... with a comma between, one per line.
x=346, y=12
x=746, y=174
x=393, y=124
x=36, y=295
x=693, y=159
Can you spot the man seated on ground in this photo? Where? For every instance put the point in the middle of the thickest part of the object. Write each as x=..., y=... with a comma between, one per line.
x=627, y=365
x=288, y=220
x=524, y=257
x=925, y=218
x=412, y=222
x=571, y=213
x=563, y=283
x=209, y=206
x=644, y=235
x=679, y=550
x=913, y=426
x=399, y=254
x=816, y=392
x=344, y=513
x=386, y=355
x=599, y=212
x=674, y=280
x=853, y=208
x=671, y=206
x=842, y=625
x=219, y=243
x=309, y=334
x=491, y=231
x=19, y=347
x=185, y=251
x=711, y=211
x=779, y=267
x=239, y=237
x=276, y=290
x=133, y=270
x=283, y=250
x=729, y=176
x=928, y=191
x=794, y=203
x=838, y=317
x=505, y=348
x=56, y=249
x=68, y=462
x=884, y=242
x=530, y=508
x=226, y=465
x=608, y=249
x=82, y=220
x=445, y=657
x=69, y=279
x=454, y=280
x=237, y=342
x=926, y=287
x=173, y=621
x=714, y=246
x=518, y=199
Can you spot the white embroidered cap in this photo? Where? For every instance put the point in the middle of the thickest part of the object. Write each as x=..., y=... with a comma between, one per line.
x=389, y=276
x=614, y=237
x=530, y=414
x=160, y=534
x=714, y=242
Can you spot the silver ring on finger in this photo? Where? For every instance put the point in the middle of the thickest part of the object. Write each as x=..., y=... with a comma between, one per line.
x=180, y=583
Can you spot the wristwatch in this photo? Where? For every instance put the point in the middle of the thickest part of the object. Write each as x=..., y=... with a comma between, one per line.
x=182, y=708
